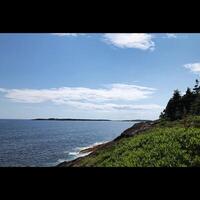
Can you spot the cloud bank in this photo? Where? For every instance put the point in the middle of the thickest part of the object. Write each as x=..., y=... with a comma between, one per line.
x=122, y=40
x=105, y=99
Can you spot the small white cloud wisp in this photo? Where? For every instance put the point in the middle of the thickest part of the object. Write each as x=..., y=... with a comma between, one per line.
x=67, y=34
x=171, y=35
x=193, y=67
x=141, y=41
x=104, y=99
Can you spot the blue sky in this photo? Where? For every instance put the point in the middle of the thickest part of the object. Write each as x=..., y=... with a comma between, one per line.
x=114, y=76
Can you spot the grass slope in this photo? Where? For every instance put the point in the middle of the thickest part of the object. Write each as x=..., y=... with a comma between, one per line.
x=168, y=144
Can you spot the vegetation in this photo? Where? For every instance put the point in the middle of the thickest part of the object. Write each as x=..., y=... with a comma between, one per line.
x=168, y=144
x=172, y=141
x=179, y=106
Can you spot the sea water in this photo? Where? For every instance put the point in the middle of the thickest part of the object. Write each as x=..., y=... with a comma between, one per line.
x=47, y=143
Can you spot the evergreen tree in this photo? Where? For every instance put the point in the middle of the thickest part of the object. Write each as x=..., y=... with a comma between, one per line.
x=162, y=115
x=197, y=87
x=195, y=108
x=188, y=100
x=179, y=106
x=174, y=108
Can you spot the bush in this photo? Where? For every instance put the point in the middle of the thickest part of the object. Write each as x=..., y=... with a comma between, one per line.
x=159, y=147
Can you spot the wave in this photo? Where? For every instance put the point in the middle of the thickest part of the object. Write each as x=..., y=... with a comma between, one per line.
x=90, y=146
x=61, y=160
x=77, y=152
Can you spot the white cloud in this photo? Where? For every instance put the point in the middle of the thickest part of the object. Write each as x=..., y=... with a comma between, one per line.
x=106, y=98
x=111, y=106
x=171, y=35
x=111, y=92
x=122, y=40
x=130, y=40
x=194, y=67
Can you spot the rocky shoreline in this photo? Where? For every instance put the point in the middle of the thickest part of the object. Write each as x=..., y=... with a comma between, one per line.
x=92, y=149
x=130, y=132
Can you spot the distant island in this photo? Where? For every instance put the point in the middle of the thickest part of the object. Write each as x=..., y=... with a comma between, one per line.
x=71, y=119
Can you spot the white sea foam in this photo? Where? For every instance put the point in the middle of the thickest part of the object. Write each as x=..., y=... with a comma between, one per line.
x=61, y=160
x=73, y=153
x=90, y=146
x=77, y=152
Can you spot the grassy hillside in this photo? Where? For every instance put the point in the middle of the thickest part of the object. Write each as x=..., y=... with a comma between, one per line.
x=167, y=144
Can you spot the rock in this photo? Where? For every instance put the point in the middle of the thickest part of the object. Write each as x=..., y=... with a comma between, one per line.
x=72, y=163
x=132, y=131
x=92, y=149
x=136, y=129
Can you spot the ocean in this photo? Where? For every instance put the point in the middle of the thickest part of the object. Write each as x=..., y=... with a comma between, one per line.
x=32, y=143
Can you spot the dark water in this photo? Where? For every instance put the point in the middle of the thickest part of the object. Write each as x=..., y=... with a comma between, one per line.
x=47, y=143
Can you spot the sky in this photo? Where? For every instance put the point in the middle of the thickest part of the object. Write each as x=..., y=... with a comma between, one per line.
x=104, y=76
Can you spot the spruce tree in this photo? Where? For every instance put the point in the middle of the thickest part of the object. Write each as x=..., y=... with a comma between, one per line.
x=180, y=107
x=197, y=87
x=195, y=108
x=188, y=100
x=174, y=108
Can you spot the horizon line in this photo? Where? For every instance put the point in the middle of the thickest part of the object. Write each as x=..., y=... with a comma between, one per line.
x=52, y=118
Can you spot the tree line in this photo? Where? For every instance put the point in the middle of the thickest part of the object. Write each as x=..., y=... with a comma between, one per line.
x=180, y=106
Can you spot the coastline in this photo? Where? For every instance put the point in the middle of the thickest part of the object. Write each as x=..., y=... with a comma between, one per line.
x=137, y=128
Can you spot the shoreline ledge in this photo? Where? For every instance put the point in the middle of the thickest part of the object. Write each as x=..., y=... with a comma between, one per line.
x=136, y=129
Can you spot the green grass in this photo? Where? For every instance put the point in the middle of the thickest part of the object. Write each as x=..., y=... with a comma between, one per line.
x=169, y=144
